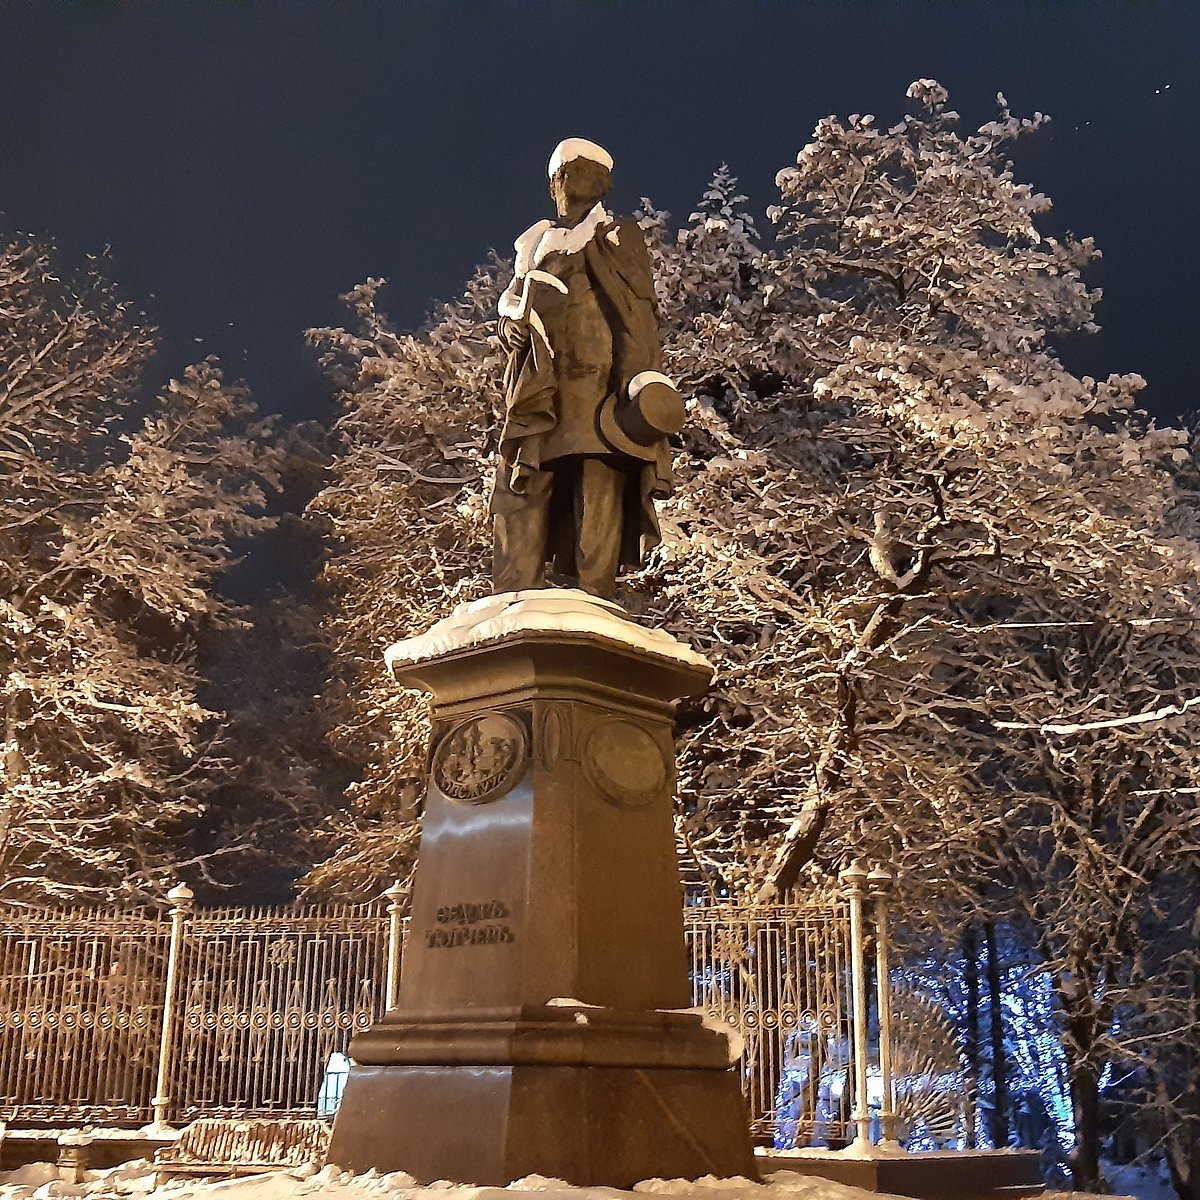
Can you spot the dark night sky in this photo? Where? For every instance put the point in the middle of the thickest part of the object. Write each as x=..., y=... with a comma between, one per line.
x=248, y=161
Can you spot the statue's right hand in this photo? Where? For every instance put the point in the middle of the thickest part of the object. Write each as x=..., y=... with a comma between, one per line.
x=514, y=334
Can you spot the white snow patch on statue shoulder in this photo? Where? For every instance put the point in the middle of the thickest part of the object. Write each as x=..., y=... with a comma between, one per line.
x=526, y=244
x=548, y=279
x=561, y=239
x=570, y=148
x=543, y=611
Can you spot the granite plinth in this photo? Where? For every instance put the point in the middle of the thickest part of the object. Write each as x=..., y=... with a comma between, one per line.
x=490, y=1125
x=546, y=935
x=927, y=1175
x=546, y=1035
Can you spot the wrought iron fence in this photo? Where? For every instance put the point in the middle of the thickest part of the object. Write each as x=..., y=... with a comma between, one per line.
x=268, y=997
x=126, y=1017
x=81, y=1013
x=780, y=977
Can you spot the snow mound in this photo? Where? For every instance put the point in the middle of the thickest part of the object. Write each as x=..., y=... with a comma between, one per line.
x=40, y=1182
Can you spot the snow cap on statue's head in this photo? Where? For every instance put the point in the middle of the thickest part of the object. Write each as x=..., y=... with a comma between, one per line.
x=570, y=148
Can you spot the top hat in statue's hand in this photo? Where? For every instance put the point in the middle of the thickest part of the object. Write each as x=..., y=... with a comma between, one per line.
x=651, y=411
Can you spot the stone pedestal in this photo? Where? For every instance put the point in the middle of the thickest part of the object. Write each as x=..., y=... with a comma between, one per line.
x=926, y=1174
x=534, y=1032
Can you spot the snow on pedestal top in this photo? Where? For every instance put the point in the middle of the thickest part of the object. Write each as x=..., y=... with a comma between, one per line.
x=542, y=611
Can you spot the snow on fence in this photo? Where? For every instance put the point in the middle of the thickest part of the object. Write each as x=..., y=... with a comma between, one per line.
x=112, y=1016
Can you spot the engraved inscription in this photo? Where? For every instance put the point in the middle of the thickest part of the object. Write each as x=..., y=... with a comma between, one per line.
x=470, y=925
x=480, y=759
x=480, y=935
x=471, y=914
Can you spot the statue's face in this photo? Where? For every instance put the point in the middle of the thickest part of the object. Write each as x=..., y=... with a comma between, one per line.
x=577, y=183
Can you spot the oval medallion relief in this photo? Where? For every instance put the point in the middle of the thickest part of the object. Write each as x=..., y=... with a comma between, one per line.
x=552, y=741
x=625, y=763
x=481, y=758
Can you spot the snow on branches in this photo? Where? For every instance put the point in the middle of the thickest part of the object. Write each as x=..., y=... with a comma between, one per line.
x=941, y=577
x=116, y=520
x=885, y=465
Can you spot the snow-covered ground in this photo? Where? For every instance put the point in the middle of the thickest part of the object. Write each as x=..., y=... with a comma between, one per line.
x=136, y=1181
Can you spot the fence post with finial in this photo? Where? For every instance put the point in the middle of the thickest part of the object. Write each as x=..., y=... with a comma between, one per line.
x=395, y=898
x=880, y=881
x=854, y=877
x=182, y=898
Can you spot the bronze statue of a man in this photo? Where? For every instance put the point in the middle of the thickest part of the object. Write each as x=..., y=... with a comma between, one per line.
x=583, y=453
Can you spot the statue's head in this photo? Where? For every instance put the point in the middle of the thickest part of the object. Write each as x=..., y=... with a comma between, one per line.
x=580, y=174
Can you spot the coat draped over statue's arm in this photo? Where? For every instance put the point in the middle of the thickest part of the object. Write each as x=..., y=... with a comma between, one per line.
x=618, y=267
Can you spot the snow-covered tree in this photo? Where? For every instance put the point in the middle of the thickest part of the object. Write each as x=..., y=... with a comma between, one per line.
x=116, y=518
x=265, y=672
x=897, y=518
x=406, y=512
x=1170, y=1027
x=881, y=440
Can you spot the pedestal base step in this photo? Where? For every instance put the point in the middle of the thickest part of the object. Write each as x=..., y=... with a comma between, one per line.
x=560, y=1035
x=929, y=1175
x=609, y=1126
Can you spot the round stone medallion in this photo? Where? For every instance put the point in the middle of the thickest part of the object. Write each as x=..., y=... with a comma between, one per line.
x=625, y=763
x=481, y=758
